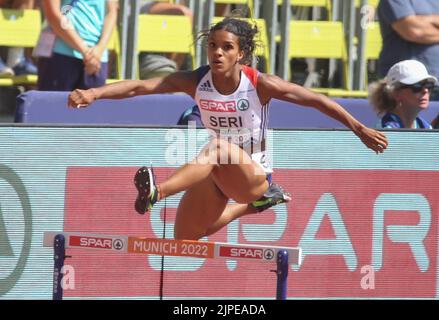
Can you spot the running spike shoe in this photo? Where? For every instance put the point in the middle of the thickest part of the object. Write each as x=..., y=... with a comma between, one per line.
x=273, y=196
x=144, y=181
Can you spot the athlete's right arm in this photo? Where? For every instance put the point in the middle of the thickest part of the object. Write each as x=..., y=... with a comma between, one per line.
x=182, y=81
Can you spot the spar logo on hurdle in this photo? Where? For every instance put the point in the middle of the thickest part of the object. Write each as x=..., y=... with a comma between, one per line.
x=96, y=243
x=246, y=252
x=168, y=247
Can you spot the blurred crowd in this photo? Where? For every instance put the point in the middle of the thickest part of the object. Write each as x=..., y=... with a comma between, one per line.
x=76, y=33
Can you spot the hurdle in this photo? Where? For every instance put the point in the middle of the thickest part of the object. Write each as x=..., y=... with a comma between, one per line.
x=60, y=241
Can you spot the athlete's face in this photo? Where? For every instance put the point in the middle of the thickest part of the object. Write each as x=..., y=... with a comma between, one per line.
x=223, y=51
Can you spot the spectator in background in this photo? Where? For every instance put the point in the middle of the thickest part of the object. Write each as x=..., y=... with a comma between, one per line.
x=81, y=30
x=435, y=122
x=17, y=63
x=160, y=64
x=402, y=95
x=410, y=30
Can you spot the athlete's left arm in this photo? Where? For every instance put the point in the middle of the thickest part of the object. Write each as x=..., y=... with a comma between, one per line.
x=271, y=86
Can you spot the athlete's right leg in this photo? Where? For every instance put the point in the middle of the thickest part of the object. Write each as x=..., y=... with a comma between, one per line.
x=182, y=179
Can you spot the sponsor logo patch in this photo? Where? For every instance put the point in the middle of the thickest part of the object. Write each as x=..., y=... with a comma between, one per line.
x=243, y=104
x=206, y=86
x=92, y=242
x=218, y=106
x=239, y=252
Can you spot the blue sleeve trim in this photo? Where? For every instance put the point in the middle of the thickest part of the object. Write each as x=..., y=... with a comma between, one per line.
x=201, y=72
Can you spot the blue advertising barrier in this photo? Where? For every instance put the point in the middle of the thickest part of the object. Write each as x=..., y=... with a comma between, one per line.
x=166, y=109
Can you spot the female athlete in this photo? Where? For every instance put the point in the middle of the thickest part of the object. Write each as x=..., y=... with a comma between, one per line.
x=233, y=99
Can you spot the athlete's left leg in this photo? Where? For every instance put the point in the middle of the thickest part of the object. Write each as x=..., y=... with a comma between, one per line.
x=273, y=196
x=230, y=213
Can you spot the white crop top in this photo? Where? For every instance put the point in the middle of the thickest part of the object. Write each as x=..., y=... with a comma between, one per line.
x=238, y=117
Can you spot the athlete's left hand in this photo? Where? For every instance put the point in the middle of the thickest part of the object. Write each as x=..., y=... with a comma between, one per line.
x=373, y=139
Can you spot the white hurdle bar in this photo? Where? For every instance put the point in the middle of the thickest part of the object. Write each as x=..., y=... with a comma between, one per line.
x=284, y=256
x=170, y=247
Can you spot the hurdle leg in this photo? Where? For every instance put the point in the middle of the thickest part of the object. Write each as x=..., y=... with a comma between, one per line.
x=282, y=275
x=59, y=255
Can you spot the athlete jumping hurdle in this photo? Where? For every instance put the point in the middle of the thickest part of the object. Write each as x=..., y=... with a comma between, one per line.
x=233, y=100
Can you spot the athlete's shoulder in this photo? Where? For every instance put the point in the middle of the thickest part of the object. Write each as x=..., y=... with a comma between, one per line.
x=201, y=72
x=251, y=73
x=268, y=82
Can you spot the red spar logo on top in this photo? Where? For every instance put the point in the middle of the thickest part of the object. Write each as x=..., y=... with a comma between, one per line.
x=239, y=252
x=91, y=242
x=218, y=106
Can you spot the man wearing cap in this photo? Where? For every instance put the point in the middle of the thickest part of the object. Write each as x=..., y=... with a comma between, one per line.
x=402, y=95
x=410, y=30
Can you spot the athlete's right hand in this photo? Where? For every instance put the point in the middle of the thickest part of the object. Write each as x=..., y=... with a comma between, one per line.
x=81, y=98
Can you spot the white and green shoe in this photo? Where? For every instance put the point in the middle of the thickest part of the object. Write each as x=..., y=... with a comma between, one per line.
x=273, y=196
x=144, y=181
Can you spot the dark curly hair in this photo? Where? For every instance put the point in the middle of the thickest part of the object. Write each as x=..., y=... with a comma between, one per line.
x=245, y=32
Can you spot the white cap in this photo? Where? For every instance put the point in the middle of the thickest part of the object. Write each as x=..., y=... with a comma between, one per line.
x=408, y=72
